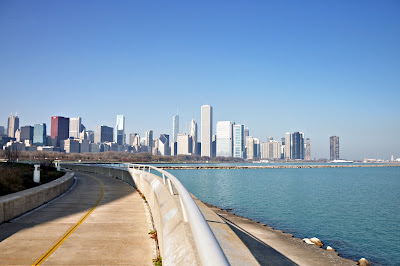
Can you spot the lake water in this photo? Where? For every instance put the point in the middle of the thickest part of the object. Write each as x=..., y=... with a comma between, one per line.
x=354, y=210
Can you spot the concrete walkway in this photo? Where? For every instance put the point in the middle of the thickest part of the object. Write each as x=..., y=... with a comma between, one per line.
x=115, y=232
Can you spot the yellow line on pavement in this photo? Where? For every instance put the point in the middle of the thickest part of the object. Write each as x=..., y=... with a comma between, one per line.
x=70, y=231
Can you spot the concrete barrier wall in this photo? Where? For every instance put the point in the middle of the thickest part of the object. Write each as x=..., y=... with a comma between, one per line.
x=177, y=246
x=16, y=204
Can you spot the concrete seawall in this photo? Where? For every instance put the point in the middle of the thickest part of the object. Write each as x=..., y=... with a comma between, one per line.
x=16, y=204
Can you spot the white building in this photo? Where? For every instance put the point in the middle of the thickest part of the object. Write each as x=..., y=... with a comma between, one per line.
x=13, y=125
x=75, y=127
x=224, y=139
x=119, y=130
x=206, y=130
x=271, y=150
x=193, y=135
x=175, y=128
x=184, y=144
x=288, y=144
x=249, y=148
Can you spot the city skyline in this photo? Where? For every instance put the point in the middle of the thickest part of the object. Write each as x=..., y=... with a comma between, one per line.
x=324, y=69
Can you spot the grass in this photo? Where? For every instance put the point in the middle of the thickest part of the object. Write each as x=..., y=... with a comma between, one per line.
x=15, y=177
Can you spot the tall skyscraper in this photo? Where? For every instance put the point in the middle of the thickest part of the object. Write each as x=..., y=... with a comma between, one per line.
x=39, y=134
x=132, y=138
x=224, y=139
x=2, y=131
x=103, y=134
x=206, y=130
x=288, y=144
x=163, y=144
x=75, y=127
x=13, y=125
x=175, y=127
x=119, y=130
x=249, y=147
x=334, y=145
x=271, y=150
x=238, y=141
x=149, y=139
x=193, y=135
x=184, y=144
x=59, y=129
x=298, y=145
x=308, y=150
x=26, y=133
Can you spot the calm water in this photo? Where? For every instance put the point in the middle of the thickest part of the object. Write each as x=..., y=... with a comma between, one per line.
x=354, y=210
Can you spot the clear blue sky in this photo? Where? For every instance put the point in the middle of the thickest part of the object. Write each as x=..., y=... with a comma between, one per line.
x=321, y=67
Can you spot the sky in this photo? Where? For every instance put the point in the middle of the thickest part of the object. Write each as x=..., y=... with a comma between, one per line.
x=320, y=67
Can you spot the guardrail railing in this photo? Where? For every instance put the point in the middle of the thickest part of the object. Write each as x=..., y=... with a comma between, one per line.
x=210, y=252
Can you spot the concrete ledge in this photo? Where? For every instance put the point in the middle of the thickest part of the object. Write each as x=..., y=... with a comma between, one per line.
x=16, y=204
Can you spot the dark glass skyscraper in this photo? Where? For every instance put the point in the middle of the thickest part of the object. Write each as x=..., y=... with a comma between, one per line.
x=298, y=145
x=59, y=129
x=39, y=134
x=26, y=133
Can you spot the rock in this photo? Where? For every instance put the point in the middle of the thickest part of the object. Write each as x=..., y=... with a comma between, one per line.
x=308, y=241
x=330, y=248
x=364, y=262
x=316, y=241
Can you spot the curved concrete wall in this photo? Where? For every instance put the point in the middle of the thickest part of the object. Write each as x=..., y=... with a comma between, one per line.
x=175, y=238
x=16, y=204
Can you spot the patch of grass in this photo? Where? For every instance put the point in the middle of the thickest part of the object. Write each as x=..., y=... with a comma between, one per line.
x=157, y=261
x=15, y=177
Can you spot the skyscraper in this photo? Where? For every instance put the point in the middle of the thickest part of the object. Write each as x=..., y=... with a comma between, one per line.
x=249, y=147
x=103, y=134
x=119, y=130
x=59, y=129
x=298, y=145
x=132, y=138
x=224, y=139
x=13, y=125
x=39, y=134
x=193, y=134
x=206, y=130
x=26, y=133
x=184, y=144
x=75, y=127
x=334, y=145
x=163, y=144
x=238, y=141
x=308, y=150
x=175, y=127
x=149, y=139
x=288, y=144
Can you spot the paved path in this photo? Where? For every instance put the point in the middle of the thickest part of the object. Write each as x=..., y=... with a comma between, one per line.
x=113, y=232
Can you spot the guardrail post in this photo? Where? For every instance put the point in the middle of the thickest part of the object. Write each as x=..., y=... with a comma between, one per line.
x=170, y=187
x=185, y=218
x=163, y=178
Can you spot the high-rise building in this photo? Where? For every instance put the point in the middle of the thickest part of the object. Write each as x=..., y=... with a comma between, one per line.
x=271, y=150
x=175, y=127
x=71, y=145
x=75, y=126
x=224, y=139
x=184, y=144
x=246, y=132
x=308, y=150
x=103, y=134
x=149, y=139
x=193, y=135
x=288, y=146
x=298, y=145
x=13, y=125
x=119, y=130
x=206, y=130
x=334, y=145
x=249, y=147
x=26, y=133
x=90, y=135
x=59, y=129
x=163, y=144
x=238, y=141
x=2, y=131
x=132, y=138
x=257, y=148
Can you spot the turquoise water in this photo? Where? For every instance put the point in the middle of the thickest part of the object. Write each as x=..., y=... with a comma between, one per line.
x=354, y=210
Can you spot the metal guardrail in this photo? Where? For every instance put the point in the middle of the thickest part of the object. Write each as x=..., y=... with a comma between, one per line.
x=210, y=252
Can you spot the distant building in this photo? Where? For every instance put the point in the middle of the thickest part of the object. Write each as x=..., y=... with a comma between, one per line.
x=103, y=134
x=246, y=132
x=84, y=145
x=249, y=148
x=13, y=125
x=132, y=138
x=90, y=135
x=175, y=127
x=18, y=135
x=71, y=145
x=149, y=140
x=163, y=145
x=298, y=145
x=334, y=148
x=224, y=139
x=271, y=150
x=257, y=148
x=26, y=133
x=308, y=150
x=288, y=146
x=59, y=129
x=193, y=135
x=75, y=127
x=206, y=130
x=119, y=130
x=238, y=141
x=184, y=146
x=2, y=131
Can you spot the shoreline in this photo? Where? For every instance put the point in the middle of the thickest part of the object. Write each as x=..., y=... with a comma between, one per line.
x=287, y=244
x=183, y=167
